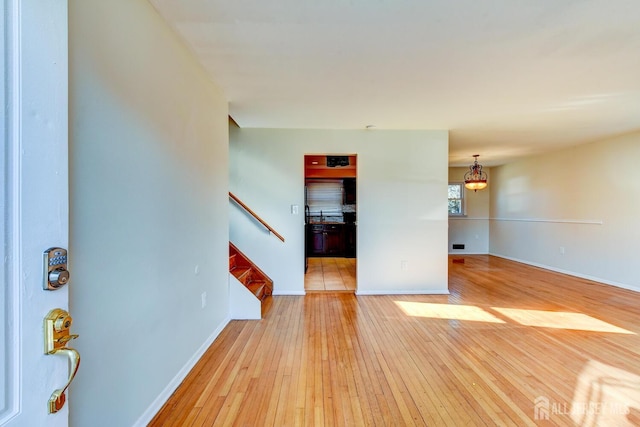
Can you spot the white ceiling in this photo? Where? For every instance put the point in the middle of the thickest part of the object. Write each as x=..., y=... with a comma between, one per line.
x=507, y=77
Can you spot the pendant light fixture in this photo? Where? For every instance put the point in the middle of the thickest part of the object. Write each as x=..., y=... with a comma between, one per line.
x=475, y=179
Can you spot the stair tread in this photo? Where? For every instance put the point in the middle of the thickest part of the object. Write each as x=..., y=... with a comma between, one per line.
x=239, y=271
x=248, y=274
x=258, y=289
x=256, y=284
x=265, y=286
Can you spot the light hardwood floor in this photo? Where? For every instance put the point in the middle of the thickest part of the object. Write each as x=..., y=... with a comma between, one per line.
x=508, y=339
x=330, y=274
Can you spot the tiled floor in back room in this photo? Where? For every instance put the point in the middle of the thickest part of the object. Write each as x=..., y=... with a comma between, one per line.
x=330, y=274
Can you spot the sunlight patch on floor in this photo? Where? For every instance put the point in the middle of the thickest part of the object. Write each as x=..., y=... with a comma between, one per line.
x=447, y=311
x=535, y=318
x=606, y=396
x=559, y=320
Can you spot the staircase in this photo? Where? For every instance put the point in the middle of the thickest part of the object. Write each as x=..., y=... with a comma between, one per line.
x=248, y=274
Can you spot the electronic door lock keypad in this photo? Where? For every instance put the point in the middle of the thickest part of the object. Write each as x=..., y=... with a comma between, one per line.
x=56, y=274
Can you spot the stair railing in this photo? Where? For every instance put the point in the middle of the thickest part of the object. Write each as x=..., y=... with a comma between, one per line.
x=253, y=214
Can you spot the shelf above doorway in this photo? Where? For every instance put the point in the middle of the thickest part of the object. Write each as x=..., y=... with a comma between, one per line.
x=315, y=166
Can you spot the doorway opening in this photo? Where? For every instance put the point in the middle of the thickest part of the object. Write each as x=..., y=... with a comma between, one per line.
x=330, y=222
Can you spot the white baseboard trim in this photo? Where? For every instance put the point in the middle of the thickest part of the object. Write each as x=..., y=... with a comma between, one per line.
x=276, y=293
x=162, y=398
x=572, y=273
x=468, y=253
x=405, y=292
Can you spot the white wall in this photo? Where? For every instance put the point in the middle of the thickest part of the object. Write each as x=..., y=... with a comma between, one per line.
x=149, y=210
x=472, y=229
x=402, y=204
x=574, y=211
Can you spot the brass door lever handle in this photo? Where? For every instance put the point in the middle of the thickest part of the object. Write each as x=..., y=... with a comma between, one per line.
x=58, y=397
x=57, y=334
x=64, y=340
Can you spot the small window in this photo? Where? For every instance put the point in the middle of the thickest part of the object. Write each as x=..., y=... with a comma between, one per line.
x=324, y=196
x=456, y=199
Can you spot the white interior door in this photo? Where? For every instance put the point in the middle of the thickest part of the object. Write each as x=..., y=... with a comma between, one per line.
x=34, y=203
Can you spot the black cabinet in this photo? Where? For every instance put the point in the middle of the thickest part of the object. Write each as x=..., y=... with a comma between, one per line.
x=325, y=240
x=349, y=185
x=315, y=240
x=333, y=240
x=350, y=240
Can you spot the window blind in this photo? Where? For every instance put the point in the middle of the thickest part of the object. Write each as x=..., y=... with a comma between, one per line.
x=325, y=196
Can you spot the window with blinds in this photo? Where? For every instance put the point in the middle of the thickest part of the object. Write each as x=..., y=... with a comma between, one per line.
x=325, y=196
